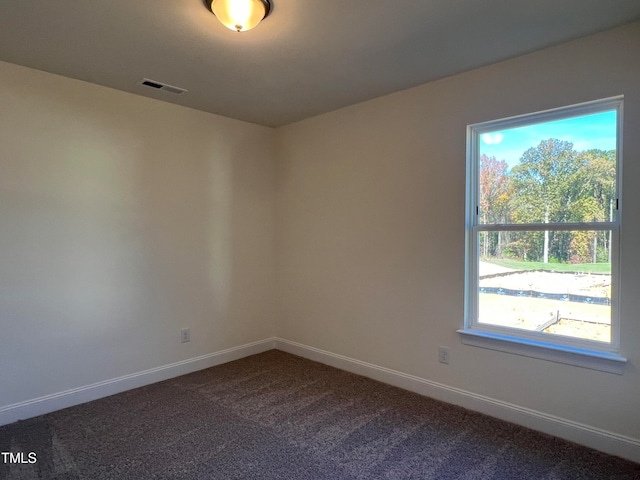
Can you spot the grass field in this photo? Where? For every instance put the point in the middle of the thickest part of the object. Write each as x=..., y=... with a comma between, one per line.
x=556, y=267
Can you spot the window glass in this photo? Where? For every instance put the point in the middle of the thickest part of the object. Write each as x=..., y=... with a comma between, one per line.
x=556, y=171
x=570, y=298
x=544, y=224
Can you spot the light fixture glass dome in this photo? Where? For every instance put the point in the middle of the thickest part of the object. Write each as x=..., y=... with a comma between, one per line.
x=240, y=15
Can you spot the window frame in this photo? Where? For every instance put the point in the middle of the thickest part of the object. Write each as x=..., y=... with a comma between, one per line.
x=564, y=349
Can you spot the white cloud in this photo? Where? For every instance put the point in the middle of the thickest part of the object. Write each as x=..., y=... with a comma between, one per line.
x=492, y=138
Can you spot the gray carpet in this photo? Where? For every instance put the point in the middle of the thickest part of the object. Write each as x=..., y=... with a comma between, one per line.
x=277, y=416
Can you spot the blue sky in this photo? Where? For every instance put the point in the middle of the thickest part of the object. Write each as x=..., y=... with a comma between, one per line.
x=585, y=132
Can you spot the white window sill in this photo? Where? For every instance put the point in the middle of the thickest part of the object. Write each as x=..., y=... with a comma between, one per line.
x=593, y=359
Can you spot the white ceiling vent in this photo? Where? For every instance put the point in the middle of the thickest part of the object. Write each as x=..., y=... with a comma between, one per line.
x=161, y=86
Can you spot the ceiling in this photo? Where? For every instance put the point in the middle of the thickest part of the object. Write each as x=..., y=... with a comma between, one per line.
x=306, y=58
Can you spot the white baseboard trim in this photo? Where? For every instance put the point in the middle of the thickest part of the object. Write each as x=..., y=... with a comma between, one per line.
x=608, y=442
x=602, y=440
x=57, y=401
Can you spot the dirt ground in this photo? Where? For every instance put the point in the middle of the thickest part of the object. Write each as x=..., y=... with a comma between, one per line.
x=597, y=285
x=581, y=320
x=576, y=328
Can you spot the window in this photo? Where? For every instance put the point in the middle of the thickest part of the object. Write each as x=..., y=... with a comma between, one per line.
x=543, y=226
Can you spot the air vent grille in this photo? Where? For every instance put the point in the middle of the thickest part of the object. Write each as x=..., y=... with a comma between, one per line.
x=161, y=86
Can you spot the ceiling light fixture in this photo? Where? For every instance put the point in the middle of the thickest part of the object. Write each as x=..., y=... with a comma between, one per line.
x=239, y=15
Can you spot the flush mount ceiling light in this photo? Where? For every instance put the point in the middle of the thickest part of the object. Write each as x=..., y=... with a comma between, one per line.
x=239, y=15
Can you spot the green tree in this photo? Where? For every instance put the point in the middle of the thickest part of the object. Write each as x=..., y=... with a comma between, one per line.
x=544, y=181
x=494, y=201
x=596, y=184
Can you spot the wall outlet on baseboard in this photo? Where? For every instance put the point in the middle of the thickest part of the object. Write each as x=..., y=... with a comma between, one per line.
x=443, y=355
x=185, y=335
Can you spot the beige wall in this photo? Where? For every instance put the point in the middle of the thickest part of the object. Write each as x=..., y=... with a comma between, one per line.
x=370, y=229
x=123, y=220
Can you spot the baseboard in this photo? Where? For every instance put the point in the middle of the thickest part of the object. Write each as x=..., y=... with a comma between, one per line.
x=602, y=440
x=57, y=401
x=608, y=442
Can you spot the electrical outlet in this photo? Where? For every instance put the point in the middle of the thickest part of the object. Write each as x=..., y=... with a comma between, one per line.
x=185, y=335
x=443, y=355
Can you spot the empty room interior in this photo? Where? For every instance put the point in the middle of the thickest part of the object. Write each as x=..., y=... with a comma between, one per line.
x=178, y=197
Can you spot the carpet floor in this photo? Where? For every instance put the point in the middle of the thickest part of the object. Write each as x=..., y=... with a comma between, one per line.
x=278, y=416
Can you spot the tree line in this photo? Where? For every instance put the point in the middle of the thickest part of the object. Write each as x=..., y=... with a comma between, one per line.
x=552, y=183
